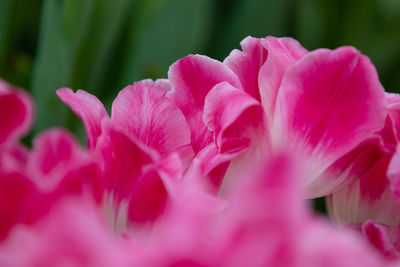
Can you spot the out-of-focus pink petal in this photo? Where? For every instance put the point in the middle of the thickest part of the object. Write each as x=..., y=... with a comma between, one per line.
x=16, y=113
x=56, y=155
x=234, y=116
x=143, y=112
x=192, y=78
x=263, y=223
x=266, y=225
x=88, y=108
x=368, y=197
x=328, y=103
x=13, y=158
x=15, y=192
x=384, y=238
x=282, y=53
x=52, y=149
x=247, y=63
x=73, y=234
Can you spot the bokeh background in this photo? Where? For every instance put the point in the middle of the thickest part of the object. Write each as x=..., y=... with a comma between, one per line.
x=103, y=45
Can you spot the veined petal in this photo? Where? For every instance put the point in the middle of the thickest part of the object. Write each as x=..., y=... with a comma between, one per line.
x=143, y=112
x=16, y=113
x=328, y=103
x=282, y=53
x=367, y=198
x=88, y=108
x=247, y=63
x=233, y=115
x=351, y=166
x=192, y=78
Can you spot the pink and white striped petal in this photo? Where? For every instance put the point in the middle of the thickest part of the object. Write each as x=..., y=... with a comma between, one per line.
x=247, y=63
x=143, y=112
x=282, y=53
x=367, y=198
x=88, y=108
x=328, y=103
x=192, y=78
x=234, y=116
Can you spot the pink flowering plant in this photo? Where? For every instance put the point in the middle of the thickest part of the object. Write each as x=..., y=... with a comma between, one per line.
x=213, y=166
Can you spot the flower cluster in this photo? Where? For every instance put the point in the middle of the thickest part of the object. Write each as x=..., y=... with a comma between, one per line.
x=211, y=167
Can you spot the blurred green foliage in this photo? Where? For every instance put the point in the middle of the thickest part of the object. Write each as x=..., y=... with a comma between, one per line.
x=103, y=45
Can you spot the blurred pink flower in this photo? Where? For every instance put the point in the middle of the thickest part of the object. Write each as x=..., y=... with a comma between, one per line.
x=263, y=223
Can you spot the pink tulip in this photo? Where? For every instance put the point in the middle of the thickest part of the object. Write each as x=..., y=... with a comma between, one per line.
x=145, y=129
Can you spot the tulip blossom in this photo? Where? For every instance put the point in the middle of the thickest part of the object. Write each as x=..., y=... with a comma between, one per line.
x=322, y=104
x=145, y=128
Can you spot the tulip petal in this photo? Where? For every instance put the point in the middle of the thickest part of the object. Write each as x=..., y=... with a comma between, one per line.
x=192, y=78
x=282, y=53
x=328, y=103
x=393, y=173
x=351, y=166
x=88, y=108
x=59, y=166
x=368, y=197
x=143, y=112
x=124, y=159
x=247, y=63
x=384, y=238
x=73, y=234
x=149, y=198
x=16, y=113
x=15, y=191
x=208, y=168
x=53, y=149
x=233, y=115
x=154, y=189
